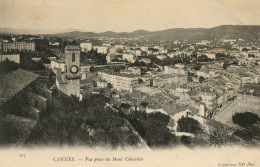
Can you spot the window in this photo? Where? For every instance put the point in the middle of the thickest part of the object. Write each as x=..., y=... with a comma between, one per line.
x=73, y=57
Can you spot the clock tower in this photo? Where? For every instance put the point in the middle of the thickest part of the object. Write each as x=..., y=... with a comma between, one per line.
x=72, y=62
x=68, y=82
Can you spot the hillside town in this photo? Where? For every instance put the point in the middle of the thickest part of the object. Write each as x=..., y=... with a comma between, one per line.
x=129, y=91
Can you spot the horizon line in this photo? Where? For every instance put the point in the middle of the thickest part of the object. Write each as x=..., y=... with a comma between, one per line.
x=67, y=30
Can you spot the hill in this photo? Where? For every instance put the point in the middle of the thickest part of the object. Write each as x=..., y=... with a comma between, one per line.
x=220, y=32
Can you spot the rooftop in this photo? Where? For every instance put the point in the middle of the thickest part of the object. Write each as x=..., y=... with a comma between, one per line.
x=251, y=89
x=72, y=47
x=13, y=82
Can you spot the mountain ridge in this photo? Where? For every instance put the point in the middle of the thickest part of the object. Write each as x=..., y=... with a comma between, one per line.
x=219, y=32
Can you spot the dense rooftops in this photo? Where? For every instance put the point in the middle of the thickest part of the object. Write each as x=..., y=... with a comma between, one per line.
x=251, y=89
x=121, y=74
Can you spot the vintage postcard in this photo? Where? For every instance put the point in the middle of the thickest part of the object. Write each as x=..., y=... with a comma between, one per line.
x=129, y=83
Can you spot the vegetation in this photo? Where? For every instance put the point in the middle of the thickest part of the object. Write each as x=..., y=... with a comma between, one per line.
x=190, y=125
x=7, y=65
x=168, y=60
x=28, y=64
x=152, y=128
x=98, y=58
x=204, y=58
x=245, y=119
x=69, y=122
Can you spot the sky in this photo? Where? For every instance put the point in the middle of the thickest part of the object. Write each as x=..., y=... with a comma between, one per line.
x=127, y=15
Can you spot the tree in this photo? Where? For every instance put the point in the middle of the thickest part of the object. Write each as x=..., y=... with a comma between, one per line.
x=201, y=79
x=251, y=55
x=189, y=125
x=152, y=128
x=7, y=65
x=245, y=119
x=244, y=50
x=156, y=131
x=204, y=58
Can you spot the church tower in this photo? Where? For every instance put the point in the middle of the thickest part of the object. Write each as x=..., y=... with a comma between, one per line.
x=72, y=61
x=69, y=81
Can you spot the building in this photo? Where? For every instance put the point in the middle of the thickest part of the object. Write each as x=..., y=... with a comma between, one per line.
x=138, y=52
x=21, y=46
x=203, y=42
x=55, y=64
x=132, y=70
x=208, y=97
x=100, y=83
x=68, y=82
x=175, y=70
x=145, y=60
x=161, y=57
x=101, y=49
x=54, y=43
x=117, y=47
x=130, y=57
x=11, y=57
x=120, y=81
x=209, y=55
x=85, y=46
x=110, y=57
x=19, y=94
x=249, y=99
x=144, y=48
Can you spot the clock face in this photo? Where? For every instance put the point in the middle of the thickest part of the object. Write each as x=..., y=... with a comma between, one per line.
x=74, y=69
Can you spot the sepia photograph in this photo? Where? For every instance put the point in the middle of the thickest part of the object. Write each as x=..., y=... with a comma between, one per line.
x=129, y=83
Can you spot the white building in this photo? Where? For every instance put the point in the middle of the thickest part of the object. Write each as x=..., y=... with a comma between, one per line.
x=86, y=46
x=120, y=81
x=119, y=47
x=8, y=46
x=58, y=65
x=161, y=57
x=130, y=57
x=11, y=57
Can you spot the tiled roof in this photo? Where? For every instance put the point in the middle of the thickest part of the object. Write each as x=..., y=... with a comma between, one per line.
x=72, y=47
x=13, y=82
x=249, y=89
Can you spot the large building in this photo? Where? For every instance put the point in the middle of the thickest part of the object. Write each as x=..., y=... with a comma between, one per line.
x=68, y=81
x=120, y=81
x=130, y=57
x=21, y=46
x=208, y=97
x=86, y=46
x=249, y=99
x=11, y=57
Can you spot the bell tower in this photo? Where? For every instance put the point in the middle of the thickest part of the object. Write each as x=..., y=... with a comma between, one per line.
x=69, y=82
x=72, y=61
